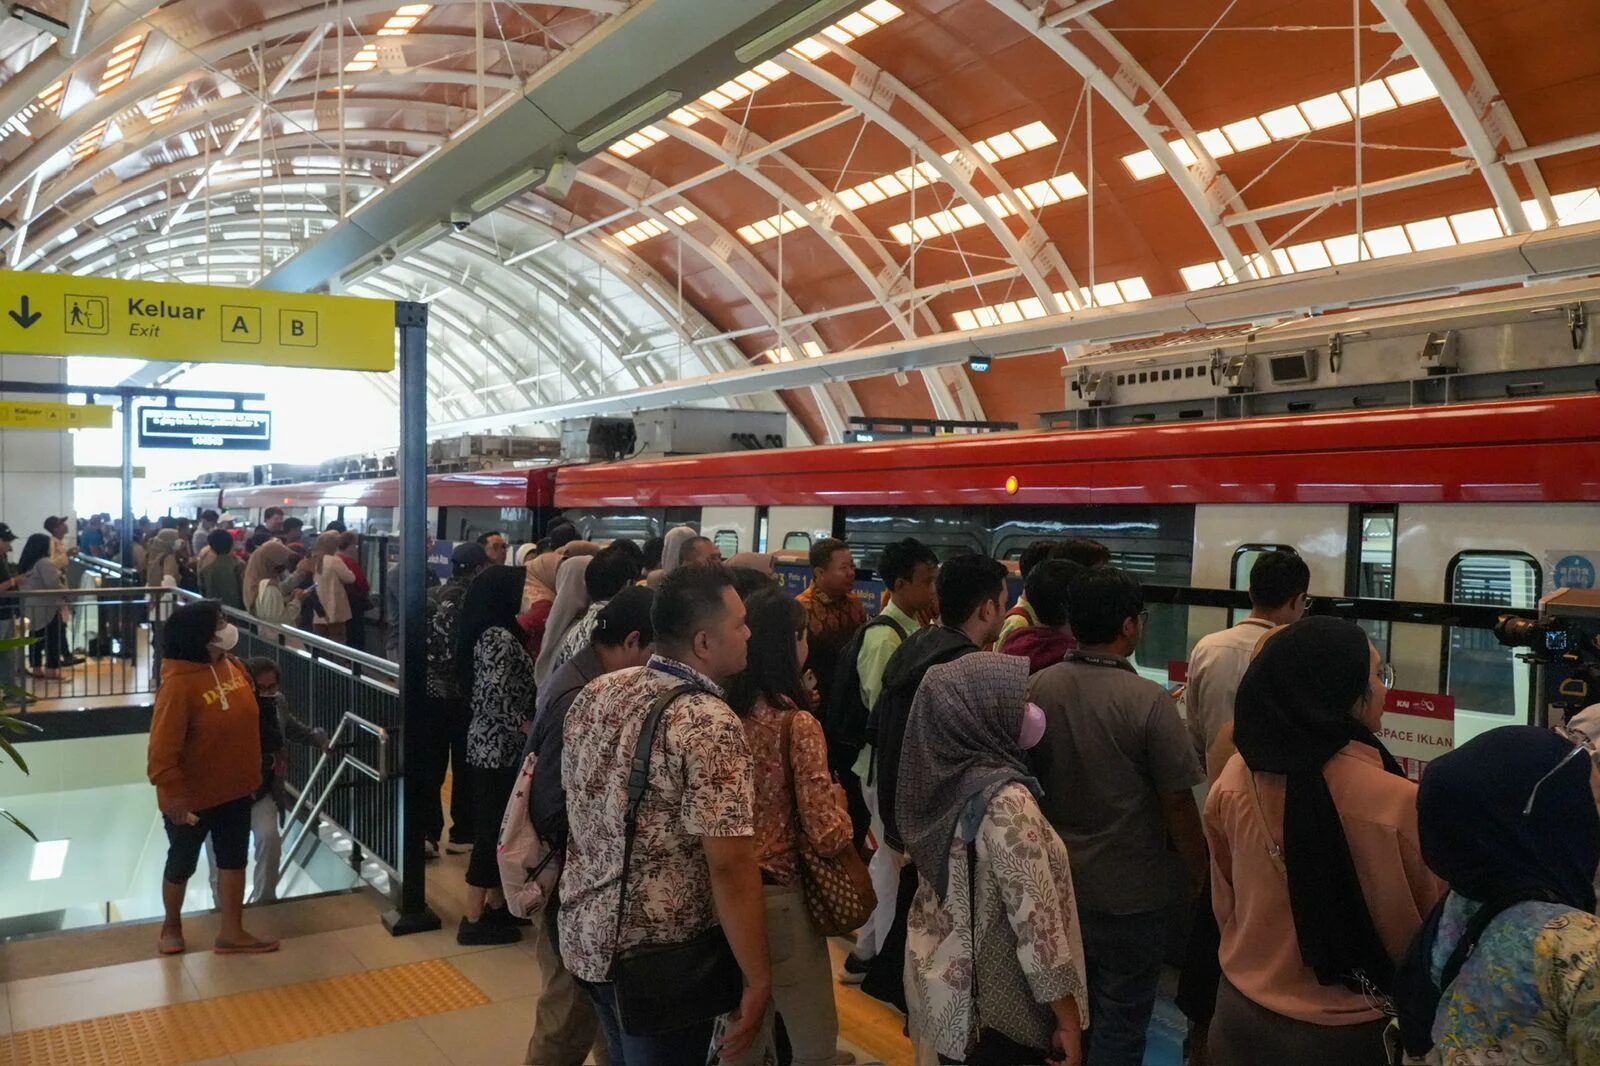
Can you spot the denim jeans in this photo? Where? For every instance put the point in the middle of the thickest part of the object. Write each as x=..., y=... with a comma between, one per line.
x=683, y=1047
x=1122, y=954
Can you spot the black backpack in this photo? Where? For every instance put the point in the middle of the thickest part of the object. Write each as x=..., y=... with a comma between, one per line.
x=845, y=717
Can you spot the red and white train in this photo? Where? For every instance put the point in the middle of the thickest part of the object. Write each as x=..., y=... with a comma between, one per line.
x=1475, y=503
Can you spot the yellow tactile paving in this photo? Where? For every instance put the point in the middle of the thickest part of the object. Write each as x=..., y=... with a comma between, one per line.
x=185, y=1032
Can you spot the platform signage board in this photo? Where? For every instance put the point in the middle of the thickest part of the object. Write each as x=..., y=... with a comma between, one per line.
x=1418, y=727
x=165, y=427
x=31, y=414
x=66, y=314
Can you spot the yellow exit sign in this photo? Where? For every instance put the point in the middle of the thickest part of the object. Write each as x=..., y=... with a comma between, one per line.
x=20, y=414
x=63, y=314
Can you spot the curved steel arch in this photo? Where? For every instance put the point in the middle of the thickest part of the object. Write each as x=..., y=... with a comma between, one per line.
x=1480, y=144
x=950, y=392
x=1133, y=115
x=840, y=403
x=141, y=86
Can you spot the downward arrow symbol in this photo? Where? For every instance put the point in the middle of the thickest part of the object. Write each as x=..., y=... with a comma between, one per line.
x=24, y=317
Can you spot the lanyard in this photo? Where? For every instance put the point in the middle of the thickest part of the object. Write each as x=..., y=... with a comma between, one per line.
x=1096, y=659
x=681, y=671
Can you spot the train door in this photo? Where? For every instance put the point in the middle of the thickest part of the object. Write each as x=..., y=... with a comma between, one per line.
x=731, y=529
x=1487, y=554
x=1228, y=540
x=797, y=528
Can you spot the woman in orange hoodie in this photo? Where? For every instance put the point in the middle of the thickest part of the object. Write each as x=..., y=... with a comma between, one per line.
x=205, y=762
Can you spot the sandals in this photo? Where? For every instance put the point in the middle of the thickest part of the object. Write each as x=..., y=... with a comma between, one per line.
x=171, y=944
x=259, y=947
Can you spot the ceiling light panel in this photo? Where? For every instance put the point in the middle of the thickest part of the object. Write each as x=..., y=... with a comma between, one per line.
x=119, y=67
x=1104, y=294
x=1038, y=195
x=160, y=107
x=858, y=24
x=402, y=22
x=922, y=175
x=784, y=354
x=643, y=231
x=1375, y=97
x=1422, y=235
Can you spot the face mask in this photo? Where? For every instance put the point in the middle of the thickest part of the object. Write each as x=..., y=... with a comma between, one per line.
x=226, y=637
x=1032, y=730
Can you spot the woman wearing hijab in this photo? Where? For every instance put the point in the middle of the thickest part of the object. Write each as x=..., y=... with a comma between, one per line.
x=1317, y=878
x=1509, y=820
x=572, y=599
x=994, y=908
x=269, y=583
x=333, y=577
x=493, y=668
x=672, y=547
x=795, y=798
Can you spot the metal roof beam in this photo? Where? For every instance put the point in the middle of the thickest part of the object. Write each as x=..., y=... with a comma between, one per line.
x=621, y=76
x=1520, y=258
x=1462, y=111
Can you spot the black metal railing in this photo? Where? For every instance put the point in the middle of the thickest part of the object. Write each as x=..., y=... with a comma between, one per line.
x=326, y=684
x=102, y=652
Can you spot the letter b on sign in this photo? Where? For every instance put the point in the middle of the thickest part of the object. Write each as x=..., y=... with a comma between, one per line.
x=297, y=328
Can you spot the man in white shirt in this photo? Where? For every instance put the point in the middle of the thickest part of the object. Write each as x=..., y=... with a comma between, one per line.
x=1278, y=584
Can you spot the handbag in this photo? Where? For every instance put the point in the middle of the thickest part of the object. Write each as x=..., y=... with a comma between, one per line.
x=661, y=988
x=837, y=888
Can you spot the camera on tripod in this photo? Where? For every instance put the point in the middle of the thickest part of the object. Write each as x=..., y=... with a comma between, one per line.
x=1564, y=647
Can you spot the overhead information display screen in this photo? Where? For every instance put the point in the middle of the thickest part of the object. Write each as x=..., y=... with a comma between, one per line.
x=161, y=427
x=65, y=314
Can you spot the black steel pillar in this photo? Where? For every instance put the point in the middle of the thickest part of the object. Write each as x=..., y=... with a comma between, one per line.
x=127, y=480
x=411, y=319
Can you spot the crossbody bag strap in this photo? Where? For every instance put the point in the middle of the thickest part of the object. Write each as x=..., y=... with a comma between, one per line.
x=972, y=929
x=638, y=785
x=1274, y=849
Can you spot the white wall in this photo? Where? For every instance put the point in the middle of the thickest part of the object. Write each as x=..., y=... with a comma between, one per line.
x=36, y=465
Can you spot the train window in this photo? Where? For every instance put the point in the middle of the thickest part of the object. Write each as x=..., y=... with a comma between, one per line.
x=1244, y=558
x=1122, y=379
x=1373, y=577
x=797, y=541
x=727, y=542
x=1481, y=673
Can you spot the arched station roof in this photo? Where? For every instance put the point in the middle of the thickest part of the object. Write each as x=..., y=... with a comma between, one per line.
x=912, y=167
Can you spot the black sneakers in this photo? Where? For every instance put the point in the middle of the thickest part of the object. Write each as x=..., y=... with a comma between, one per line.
x=503, y=916
x=486, y=931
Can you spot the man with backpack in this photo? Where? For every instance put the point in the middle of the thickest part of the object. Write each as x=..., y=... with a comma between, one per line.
x=972, y=603
x=907, y=568
x=448, y=708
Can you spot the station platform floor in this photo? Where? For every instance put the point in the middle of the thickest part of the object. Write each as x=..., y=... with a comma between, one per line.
x=341, y=991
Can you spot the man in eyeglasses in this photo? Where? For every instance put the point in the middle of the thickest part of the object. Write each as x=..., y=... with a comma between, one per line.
x=1117, y=767
x=1279, y=582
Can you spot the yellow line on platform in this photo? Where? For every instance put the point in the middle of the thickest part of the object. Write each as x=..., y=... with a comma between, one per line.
x=185, y=1032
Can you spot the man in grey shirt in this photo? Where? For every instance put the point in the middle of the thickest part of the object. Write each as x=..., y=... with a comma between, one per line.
x=1117, y=766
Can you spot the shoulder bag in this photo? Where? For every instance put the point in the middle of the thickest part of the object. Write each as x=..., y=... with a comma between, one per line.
x=660, y=988
x=837, y=888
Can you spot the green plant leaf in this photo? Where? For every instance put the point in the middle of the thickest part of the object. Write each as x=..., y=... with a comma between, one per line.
x=12, y=724
x=19, y=823
x=16, y=756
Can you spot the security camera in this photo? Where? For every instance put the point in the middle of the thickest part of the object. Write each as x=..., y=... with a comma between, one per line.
x=460, y=220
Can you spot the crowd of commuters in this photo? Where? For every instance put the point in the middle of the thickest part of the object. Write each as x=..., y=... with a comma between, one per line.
x=708, y=753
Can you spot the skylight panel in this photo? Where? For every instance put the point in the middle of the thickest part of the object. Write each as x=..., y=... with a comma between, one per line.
x=1184, y=153
x=1374, y=99
x=160, y=107
x=1324, y=111
x=1245, y=134
x=1105, y=294
x=1387, y=241
x=1142, y=164
x=1215, y=143
x=1430, y=233
x=1285, y=122
x=51, y=97
x=119, y=68
x=1309, y=256
x=1201, y=275
x=1342, y=250
x=1581, y=205
x=847, y=29
x=1472, y=226
x=1034, y=135
x=1004, y=145
x=89, y=143
x=1411, y=86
